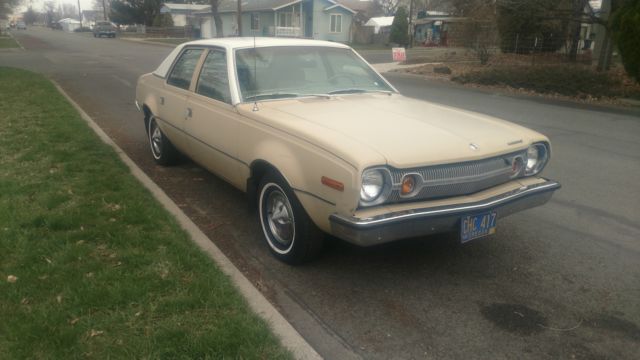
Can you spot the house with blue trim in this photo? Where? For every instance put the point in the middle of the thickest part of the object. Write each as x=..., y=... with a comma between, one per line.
x=313, y=19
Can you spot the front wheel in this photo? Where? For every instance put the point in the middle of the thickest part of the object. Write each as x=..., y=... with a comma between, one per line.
x=163, y=151
x=291, y=235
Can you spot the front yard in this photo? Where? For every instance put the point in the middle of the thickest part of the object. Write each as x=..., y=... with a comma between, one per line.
x=7, y=42
x=91, y=266
x=535, y=75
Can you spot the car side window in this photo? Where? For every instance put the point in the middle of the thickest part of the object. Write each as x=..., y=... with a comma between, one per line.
x=214, y=80
x=183, y=69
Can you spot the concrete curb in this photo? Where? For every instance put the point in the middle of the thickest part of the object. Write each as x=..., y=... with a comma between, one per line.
x=290, y=338
x=387, y=67
x=147, y=42
x=16, y=40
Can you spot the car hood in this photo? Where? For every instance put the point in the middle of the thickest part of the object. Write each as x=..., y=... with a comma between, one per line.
x=404, y=131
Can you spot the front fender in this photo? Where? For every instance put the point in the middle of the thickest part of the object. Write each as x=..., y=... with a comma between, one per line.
x=303, y=165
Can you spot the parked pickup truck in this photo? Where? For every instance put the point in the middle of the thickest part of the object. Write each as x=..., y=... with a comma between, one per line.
x=104, y=28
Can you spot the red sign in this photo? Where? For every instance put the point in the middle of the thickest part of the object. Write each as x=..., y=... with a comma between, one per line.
x=398, y=54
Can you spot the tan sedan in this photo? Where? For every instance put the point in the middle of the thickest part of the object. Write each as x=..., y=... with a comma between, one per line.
x=322, y=143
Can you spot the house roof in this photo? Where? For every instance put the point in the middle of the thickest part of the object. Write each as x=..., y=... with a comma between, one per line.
x=437, y=13
x=337, y=5
x=227, y=6
x=358, y=5
x=380, y=21
x=171, y=7
x=69, y=21
x=431, y=19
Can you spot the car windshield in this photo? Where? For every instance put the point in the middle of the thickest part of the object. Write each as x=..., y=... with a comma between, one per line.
x=293, y=71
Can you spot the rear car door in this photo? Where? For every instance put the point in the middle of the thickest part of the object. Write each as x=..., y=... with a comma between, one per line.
x=212, y=126
x=172, y=111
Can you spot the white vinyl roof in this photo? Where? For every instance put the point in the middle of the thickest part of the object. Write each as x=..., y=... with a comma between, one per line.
x=232, y=43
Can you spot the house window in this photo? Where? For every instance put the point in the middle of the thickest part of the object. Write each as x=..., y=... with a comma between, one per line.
x=284, y=19
x=255, y=21
x=336, y=23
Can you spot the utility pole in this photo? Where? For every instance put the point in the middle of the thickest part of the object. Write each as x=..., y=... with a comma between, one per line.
x=104, y=10
x=239, y=17
x=411, y=24
x=80, y=14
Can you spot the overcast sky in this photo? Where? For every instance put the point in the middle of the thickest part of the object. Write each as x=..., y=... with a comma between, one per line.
x=38, y=5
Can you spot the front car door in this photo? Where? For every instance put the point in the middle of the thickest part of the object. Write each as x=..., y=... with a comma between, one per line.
x=172, y=111
x=213, y=123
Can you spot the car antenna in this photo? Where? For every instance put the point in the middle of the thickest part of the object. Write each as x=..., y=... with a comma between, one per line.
x=255, y=72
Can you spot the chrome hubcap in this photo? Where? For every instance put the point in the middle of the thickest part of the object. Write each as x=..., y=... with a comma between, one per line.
x=156, y=140
x=280, y=218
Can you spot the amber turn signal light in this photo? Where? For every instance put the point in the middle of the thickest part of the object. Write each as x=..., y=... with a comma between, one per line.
x=408, y=185
x=334, y=184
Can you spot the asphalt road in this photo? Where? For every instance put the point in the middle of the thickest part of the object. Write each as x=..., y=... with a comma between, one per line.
x=559, y=281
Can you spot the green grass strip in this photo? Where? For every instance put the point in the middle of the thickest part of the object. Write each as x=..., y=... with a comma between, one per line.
x=7, y=42
x=91, y=265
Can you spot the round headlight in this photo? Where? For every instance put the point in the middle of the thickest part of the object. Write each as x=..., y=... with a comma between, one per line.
x=537, y=156
x=372, y=185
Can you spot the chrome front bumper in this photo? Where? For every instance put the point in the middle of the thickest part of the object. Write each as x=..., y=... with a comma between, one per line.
x=424, y=221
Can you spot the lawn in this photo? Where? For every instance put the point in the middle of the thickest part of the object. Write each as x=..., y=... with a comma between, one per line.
x=371, y=47
x=7, y=42
x=90, y=264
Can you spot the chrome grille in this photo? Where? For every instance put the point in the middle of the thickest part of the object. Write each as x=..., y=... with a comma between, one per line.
x=457, y=179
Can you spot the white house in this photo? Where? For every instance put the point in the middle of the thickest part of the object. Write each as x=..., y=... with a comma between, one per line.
x=317, y=19
x=69, y=25
x=181, y=14
x=379, y=23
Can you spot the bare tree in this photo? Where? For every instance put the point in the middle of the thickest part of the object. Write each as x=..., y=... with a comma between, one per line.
x=7, y=6
x=387, y=7
x=69, y=10
x=216, y=17
x=51, y=12
x=104, y=6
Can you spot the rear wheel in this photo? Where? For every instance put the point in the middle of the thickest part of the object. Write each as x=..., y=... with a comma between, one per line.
x=163, y=151
x=291, y=235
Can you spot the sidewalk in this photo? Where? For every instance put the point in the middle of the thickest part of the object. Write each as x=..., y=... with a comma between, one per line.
x=168, y=42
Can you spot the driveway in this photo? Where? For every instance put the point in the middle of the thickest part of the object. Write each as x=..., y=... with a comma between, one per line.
x=559, y=281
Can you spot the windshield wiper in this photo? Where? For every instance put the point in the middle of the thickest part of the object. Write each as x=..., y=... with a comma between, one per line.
x=271, y=96
x=357, y=91
x=279, y=95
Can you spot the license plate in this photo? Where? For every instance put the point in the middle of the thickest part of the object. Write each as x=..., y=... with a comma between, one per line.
x=479, y=225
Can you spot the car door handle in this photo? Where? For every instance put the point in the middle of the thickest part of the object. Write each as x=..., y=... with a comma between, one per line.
x=189, y=112
x=161, y=100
